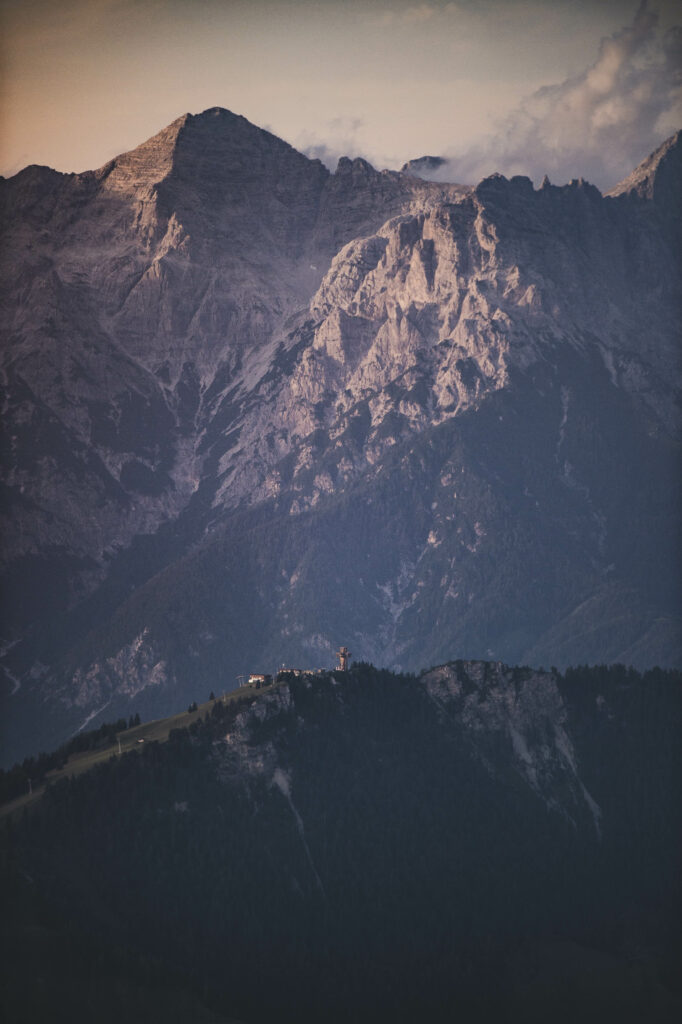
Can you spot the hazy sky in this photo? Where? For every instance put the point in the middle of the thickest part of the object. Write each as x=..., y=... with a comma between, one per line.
x=522, y=86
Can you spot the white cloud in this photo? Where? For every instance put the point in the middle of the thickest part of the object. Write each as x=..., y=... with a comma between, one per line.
x=598, y=124
x=342, y=140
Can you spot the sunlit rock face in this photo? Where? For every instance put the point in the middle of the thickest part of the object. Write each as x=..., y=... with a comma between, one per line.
x=135, y=295
x=254, y=409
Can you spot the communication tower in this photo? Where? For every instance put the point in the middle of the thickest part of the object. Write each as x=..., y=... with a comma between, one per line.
x=343, y=654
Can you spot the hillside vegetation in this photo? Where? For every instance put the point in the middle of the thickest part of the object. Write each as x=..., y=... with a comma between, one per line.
x=477, y=842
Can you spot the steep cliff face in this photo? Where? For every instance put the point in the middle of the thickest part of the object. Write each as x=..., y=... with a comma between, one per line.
x=429, y=419
x=423, y=320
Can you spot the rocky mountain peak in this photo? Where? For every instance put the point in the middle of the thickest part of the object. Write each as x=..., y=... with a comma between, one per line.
x=423, y=166
x=497, y=185
x=215, y=148
x=220, y=144
x=146, y=165
x=357, y=166
x=658, y=176
x=656, y=182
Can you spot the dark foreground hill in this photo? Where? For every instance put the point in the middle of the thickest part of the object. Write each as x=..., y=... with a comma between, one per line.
x=476, y=843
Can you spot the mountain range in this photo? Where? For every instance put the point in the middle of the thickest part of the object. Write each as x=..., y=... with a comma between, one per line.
x=253, y=409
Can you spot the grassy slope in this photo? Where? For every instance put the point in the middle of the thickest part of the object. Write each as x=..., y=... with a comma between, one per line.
x=156, y=731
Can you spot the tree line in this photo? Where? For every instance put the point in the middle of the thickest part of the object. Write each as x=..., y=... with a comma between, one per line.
x=15, y=781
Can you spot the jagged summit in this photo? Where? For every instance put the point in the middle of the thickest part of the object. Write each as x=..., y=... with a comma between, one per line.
x=656, y=174
x=356, y=166
x=215, y=144
x=423, y=166
x=657, y=182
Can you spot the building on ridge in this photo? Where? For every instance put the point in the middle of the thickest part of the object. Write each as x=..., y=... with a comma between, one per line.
x=258, y=680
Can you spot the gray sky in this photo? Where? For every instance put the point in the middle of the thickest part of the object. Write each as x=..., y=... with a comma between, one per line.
x=522, y=86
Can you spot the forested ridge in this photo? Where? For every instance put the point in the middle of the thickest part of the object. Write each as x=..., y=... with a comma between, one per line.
x=356, y=850
x=34, y=770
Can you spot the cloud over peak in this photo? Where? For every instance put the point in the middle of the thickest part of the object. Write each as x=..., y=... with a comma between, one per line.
x=598, y=124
